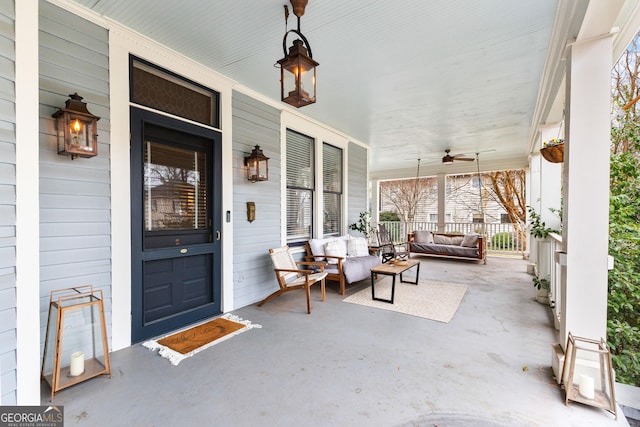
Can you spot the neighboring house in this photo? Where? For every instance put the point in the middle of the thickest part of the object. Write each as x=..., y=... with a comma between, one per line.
x=463, y=201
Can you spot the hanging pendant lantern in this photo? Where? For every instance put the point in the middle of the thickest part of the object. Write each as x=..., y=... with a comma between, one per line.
x=297, y=68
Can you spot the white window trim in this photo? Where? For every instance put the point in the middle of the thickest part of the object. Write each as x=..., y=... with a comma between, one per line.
x=320, y=134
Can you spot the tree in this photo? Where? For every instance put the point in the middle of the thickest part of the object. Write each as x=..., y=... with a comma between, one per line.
x=623, y=325
x=508, y=188
x=408, y=195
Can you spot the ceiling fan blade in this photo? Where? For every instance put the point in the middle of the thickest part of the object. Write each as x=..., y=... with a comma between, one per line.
x=464, y=159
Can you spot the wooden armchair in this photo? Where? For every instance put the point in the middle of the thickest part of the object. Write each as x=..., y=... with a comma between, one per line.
x=291, y=277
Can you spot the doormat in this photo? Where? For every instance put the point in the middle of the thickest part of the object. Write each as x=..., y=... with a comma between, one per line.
x=182, y=344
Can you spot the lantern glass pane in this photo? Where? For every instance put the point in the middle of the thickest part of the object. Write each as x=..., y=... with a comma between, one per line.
x=262, y=170
x=79, y=131
x=252, y=172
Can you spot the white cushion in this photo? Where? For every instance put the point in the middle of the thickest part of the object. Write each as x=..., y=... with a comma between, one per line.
x=317, y=246
x=334, y=248
x=357, y=246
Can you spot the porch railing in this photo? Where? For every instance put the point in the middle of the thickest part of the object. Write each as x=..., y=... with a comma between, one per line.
x=549, y=267
x=501, y=238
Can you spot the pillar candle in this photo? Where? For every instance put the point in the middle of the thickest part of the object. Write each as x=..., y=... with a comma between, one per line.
x=586, y=387
x=77, y=364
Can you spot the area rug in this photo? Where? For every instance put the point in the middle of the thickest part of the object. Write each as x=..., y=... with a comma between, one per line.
x=429, y=299
x=185, y=343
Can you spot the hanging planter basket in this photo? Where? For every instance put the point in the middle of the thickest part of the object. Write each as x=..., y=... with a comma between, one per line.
x=554, y=153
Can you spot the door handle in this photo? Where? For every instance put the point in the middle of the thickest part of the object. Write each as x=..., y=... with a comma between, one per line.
x=217, y=234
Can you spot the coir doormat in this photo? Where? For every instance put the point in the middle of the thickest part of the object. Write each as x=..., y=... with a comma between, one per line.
x=183, y=344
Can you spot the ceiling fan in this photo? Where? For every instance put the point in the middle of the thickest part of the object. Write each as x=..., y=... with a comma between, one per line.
x=448, y=159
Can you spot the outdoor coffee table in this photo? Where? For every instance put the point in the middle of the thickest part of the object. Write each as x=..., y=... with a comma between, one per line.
x=393, y=270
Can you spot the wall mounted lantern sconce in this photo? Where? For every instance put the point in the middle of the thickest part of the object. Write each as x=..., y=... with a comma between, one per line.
x=297, y=68
x=77, y=129
x=257, y=165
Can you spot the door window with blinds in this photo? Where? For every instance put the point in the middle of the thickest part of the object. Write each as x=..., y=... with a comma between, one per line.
x=332, y=189
x=300, y=187
x=174, y=188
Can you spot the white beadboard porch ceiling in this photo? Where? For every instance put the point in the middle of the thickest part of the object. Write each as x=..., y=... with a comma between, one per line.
x=409, y=78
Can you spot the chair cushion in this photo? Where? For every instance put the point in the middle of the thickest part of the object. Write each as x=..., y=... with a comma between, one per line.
x=334, y=248
x=422, y=236
x=469, y=241
x=315, y=277
x=357, y=246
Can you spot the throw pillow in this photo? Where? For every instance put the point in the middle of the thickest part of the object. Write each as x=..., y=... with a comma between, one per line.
x=456, y=240
x=317, y=247
x=447, y=240
x=334, y=248
x=422, y=236
x=357, y=246
x=469, y=241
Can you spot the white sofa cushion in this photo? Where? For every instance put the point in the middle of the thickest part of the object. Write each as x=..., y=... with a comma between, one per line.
x=357, y=246
x=334, y=248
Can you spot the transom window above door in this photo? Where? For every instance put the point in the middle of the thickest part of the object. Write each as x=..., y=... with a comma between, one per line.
x=162, y=90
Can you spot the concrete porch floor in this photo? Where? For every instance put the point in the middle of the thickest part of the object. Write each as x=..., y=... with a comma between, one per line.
x=349, y=365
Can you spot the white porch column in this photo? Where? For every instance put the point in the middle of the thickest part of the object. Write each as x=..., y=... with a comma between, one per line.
x=374, y=203
x=533, y=200
x=586, y=189
x=27, y=204
x=550, y=180
x=442, y=204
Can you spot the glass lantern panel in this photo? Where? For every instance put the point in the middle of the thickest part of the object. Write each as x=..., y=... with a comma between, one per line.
x=252, y=166
x=591, y=374
x=79, y=132
x=262, y=170
x=47, y=363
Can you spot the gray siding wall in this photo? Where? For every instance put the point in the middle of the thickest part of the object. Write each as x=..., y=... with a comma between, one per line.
x=74, y=194
x=7, y=206
x=357, y=182
x=255, y=123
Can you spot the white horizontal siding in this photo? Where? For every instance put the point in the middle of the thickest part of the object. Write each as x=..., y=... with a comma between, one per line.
x=75, y=205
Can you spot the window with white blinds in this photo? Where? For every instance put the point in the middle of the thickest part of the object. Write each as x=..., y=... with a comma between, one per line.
x=300, y=187
x=332, y=190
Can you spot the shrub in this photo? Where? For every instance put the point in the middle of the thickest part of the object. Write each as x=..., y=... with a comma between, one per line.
x=388, y=216
x=502, y=240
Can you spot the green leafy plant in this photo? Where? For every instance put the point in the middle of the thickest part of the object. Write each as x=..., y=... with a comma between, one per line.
x=363, y=225
x=623, y=325
x=541, y=283
x=538, y=228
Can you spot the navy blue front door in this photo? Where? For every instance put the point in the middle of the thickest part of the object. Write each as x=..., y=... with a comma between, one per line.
x=175, y=223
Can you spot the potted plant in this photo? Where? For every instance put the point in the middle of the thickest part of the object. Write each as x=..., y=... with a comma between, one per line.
x=543, y=288
x=364, y=226
x=553, y=150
